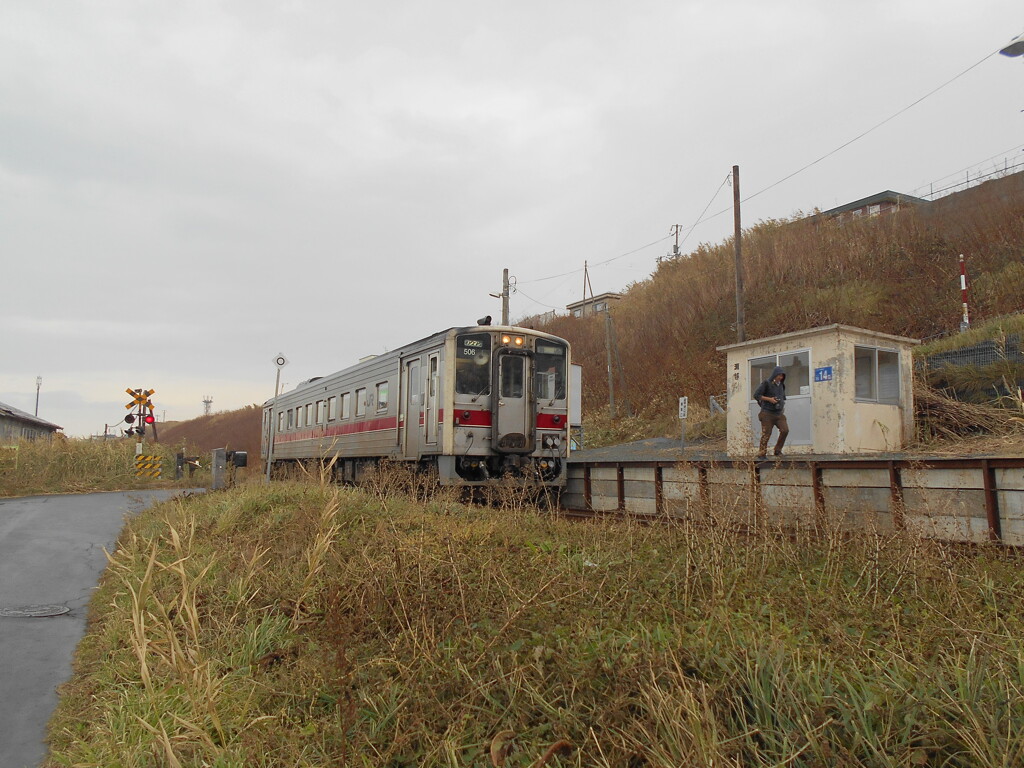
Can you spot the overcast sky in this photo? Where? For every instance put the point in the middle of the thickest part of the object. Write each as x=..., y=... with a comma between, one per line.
x=189, y=188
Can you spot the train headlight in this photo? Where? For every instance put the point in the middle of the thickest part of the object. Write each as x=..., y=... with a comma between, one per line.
x=519, y=341
x=506, y=339
x=551, y=441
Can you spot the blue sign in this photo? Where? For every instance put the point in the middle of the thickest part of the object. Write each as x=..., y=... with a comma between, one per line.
x=823, y=374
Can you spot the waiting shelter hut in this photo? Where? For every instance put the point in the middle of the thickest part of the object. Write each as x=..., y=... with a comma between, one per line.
x=848, y=390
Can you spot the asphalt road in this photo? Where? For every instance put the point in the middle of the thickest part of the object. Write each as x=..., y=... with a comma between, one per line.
x=51, y=553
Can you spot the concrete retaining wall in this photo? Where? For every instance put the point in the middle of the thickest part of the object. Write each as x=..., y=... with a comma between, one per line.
x=975, y=500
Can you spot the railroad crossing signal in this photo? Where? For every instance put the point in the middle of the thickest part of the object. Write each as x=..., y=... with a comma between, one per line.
x=140, y=403
x=140, y=398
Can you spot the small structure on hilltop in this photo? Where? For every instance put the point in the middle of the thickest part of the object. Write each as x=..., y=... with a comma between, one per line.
x=848, y=390
x=594, y=305
x=17, y=425
x=873, y=205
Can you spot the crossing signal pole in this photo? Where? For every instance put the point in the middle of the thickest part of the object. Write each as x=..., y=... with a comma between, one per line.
x=140, y=410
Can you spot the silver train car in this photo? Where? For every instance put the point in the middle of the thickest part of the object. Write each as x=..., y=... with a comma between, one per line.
x=480, y=404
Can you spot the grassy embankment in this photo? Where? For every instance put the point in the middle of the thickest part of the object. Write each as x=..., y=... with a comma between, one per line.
x=305, y=625
x=996, y=381
x=896, y=274
x=63, y=465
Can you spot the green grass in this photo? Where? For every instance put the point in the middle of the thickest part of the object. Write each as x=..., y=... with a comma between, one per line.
x=304, y=625
x=995, y=329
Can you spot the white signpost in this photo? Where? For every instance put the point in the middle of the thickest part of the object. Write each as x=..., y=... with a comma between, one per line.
x=280, y=361
x=684, y=405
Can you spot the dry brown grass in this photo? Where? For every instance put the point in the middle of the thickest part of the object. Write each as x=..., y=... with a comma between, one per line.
x=306, y=625
x=237, y=430
x=897, y=274
x=67, y=465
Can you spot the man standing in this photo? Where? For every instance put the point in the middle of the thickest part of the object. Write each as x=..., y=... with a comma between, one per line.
x=771, y=396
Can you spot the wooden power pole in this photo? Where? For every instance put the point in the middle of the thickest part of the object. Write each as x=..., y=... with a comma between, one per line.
x=741, y=333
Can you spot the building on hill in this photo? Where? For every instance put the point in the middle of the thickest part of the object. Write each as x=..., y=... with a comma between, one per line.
x=593, y=305
x=874, y=205
x=17, y=425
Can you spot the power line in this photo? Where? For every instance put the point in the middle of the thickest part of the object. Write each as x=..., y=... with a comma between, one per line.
x=701, y=219
x=942, y=179
x=713, y=197
x=535, y=301
x=596, y=263
x=857, y=137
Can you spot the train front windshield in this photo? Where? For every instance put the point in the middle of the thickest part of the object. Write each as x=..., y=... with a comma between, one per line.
x=550, y=384
x=472, y=364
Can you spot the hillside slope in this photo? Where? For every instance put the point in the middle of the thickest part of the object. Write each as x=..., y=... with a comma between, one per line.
x=235, y=430
x=896, y=274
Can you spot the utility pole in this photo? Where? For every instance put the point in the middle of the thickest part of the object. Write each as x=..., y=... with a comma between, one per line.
x=608, y=353
x=623, y=395
x=609, y=360
x=39, y=380
x=741, y=333
x=503, y=296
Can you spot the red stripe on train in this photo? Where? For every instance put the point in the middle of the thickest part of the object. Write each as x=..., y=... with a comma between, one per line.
x=472, y=418
x=358, y=427
x=551, y=421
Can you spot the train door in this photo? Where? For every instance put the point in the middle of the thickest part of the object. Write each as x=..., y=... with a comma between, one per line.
x=413, y=410
x=511, y=407
x=431, y=404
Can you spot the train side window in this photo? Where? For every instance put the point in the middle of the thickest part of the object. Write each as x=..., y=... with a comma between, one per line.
x=320, y=406
x=550, y=370
x=309, y=414
x=360, y=402
x=382, y=396
x=346, y=405
x=332, y=408
x=291, y=418
x=280, y=421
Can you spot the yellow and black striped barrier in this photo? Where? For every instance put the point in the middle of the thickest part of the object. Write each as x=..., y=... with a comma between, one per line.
x=147, y=466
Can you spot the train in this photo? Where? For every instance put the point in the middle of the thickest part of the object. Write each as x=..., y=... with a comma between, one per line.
x=479, y=405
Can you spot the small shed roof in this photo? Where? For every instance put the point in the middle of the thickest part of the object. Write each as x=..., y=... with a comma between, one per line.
x=13, y=413
x=837, y=327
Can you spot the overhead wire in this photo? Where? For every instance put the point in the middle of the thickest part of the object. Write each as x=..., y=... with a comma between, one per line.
x=858, y=137
x=701, y=219
x=713, y=198
x=942, y=179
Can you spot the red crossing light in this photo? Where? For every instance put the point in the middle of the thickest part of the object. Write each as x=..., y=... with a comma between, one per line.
x=150, y=418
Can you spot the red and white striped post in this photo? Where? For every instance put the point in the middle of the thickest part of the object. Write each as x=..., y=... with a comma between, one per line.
x=965, y=321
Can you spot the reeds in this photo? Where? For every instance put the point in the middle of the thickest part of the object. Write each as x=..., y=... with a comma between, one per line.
x=68, y=465
x=310, y=625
